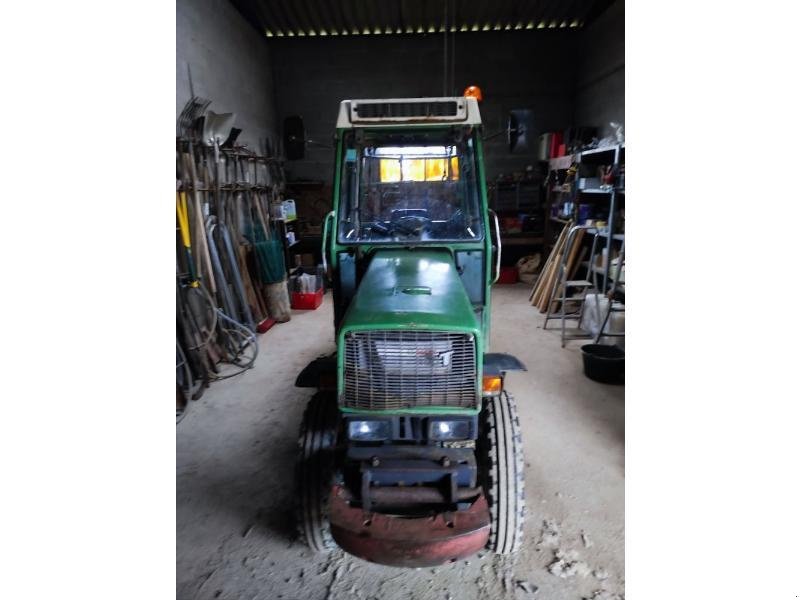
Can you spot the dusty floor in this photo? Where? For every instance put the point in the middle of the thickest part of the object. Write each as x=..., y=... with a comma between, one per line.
x=236, y=451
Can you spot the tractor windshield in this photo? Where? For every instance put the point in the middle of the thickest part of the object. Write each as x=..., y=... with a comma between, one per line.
x=400, y=188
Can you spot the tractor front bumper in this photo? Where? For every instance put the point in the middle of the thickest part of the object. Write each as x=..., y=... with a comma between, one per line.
x=409, y=541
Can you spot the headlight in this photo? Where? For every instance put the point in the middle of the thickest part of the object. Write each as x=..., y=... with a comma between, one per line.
x=449, y=430
x=369, y=431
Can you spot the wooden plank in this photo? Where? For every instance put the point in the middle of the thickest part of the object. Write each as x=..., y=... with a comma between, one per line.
x=573, y=252
x=542, y=274
x=249, y=290
x=570, y=264
x=536, y=293
x=577, y=263
x=552, y=278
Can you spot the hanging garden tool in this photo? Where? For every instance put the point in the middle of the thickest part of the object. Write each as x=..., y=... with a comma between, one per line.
x=204, y=266
x=207, y=336
x=244, y=215
x=198, y=326
x=216, y=129
x=183, y=224
x=271, y=273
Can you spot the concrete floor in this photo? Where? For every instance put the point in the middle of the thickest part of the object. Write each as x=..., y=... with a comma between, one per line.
x=236, y=451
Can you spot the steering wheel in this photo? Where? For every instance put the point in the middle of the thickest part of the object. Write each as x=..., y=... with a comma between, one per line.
x=400, y=224
x=457, y=223
x=411, y=224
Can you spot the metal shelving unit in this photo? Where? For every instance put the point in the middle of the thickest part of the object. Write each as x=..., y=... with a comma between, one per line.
x=611, y=155
x=554, y=165
x=614, y=156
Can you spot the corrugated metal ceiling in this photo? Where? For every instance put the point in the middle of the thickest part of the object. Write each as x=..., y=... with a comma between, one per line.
x=299, y=18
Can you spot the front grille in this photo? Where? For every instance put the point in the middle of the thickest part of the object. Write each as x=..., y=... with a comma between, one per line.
x=406, y=110
x=388, y=370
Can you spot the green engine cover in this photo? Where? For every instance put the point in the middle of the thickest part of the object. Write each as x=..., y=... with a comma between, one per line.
x=411, y=289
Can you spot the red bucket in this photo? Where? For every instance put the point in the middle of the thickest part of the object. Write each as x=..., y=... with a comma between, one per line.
x=508, y=275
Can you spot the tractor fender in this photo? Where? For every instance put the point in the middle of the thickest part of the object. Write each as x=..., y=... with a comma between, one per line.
x=496, y=363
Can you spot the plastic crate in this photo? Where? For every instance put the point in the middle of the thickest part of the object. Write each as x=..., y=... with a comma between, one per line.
x=310, y=301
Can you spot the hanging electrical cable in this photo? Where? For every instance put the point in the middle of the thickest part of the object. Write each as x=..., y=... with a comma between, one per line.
x=444, y=72
x=449, y=49
x=453, y=27
x=247, y=337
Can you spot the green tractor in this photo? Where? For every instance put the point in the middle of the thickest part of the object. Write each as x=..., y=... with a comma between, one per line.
x=410, y=451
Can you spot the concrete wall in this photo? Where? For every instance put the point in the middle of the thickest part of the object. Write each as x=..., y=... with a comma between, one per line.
x=230, y=65
x=600, y=93
x=532, y=69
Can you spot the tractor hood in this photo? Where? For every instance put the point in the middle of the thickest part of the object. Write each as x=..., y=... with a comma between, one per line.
x=411, y=289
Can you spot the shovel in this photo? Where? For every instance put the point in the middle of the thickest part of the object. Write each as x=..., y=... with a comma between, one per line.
x=216, y=129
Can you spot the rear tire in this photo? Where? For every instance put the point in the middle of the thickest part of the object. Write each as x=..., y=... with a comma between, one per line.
x=501, y=458
x=314, y=474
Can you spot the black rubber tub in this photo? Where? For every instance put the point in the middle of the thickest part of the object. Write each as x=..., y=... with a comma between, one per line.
x=604, y=363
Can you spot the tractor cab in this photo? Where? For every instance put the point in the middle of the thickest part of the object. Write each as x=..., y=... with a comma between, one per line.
x=402, y=183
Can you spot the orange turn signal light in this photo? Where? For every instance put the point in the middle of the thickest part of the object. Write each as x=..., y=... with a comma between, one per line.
x=474, y=91
x=492, y=385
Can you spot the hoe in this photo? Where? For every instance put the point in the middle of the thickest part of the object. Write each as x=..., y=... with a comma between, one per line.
x=410, y=451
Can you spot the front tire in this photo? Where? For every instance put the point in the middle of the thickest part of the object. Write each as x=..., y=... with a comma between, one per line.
x=314, y=474
x=500, y=454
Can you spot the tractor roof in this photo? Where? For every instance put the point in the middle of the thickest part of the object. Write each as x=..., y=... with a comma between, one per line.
x=408, y=111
